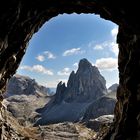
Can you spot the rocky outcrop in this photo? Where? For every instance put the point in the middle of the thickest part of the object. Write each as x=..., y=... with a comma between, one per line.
x=84, y=98
x=66, y=131
x=23, y=96
x=102, y=106
x=113, y=88
x=86, y=85
x=97, y=123
x=61, y=131
x=87, y=82
x=60, y=92
x=19, y=20
x=23, y=85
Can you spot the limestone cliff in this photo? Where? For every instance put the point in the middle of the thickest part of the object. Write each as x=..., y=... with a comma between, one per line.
x=85, y=92
x=86, y=85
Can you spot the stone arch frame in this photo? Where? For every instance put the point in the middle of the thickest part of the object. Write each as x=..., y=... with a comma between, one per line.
x=20, y=20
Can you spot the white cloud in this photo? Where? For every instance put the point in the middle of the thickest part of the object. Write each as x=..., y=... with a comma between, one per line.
x=41, y=69
x=25, y=67
x=45, y=54
x=114, y=31
x=75, y=64
x=112, y=45
x=65, y=71
x=73, y=51
x=40, y=58
x=114, y=48
x=37, y=68
x=98, y=47
x=49, y=55
x=106, y=63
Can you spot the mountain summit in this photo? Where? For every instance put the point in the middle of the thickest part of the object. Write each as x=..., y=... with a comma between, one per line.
x=74, y=101
x=84, y=85
x=84, y=64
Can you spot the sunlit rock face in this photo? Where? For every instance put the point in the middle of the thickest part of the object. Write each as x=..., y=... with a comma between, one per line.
x=20, y=20
x=24, y=85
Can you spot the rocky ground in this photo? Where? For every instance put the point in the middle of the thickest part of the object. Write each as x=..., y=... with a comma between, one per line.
x=12, y=130
x=60, y=131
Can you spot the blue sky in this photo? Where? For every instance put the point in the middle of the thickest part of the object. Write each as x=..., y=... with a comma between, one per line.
x=57, y=47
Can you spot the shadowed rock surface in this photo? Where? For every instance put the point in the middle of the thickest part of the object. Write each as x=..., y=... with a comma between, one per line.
x=86, y=85
x=83, y=98
x=102, y=106
x=60, y=131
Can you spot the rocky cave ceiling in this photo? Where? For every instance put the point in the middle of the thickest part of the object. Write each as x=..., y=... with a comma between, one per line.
x=19, y=20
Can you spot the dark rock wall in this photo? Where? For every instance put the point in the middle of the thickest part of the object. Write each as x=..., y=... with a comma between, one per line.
x=128, y=106
x=19, y=20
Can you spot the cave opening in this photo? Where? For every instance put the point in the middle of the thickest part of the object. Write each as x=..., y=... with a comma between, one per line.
x=19, y=20
x=53, y=53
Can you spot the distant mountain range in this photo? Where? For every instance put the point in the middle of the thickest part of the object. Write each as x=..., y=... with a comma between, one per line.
x=84, y=97
x=24, y=85
x=23, y=96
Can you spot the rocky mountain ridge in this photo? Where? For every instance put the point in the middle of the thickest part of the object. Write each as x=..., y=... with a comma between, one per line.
x=24, y=85
x=83, y=98
x=83, y=86
x=23, y=96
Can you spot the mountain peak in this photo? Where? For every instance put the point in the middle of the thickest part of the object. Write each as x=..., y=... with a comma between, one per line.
x=70, y=102
x=84, y=85
x=84, y=63
x=86, y=67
